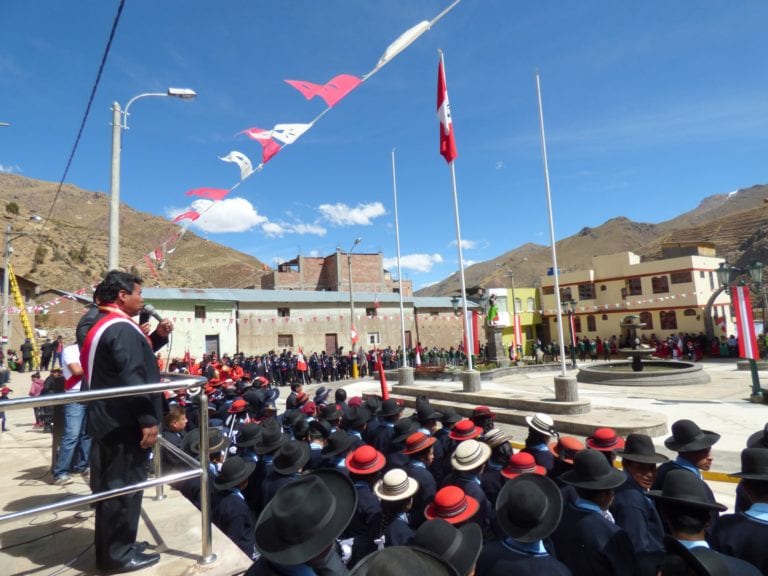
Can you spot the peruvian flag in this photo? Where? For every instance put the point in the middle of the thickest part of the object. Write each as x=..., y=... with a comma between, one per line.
x=745, y=323
x=447, y=137
x=301, y=363
x=353, y=335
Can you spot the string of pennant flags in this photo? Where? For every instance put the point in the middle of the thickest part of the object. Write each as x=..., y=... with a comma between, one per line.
x=623, y=305
x=274, y=140
x=271, y=142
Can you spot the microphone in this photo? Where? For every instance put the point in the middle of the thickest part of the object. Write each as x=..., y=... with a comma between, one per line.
x=149, y=310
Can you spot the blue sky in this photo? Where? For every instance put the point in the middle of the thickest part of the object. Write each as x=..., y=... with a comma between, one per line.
x=649, y=107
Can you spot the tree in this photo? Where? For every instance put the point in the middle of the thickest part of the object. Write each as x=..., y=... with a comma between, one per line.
x=12, y=208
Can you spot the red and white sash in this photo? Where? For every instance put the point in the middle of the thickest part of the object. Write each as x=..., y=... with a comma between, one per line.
x=91, y=344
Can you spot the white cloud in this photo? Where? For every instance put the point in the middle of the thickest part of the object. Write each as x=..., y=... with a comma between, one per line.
x=417, y=262
x=228, y=215
x=273, y=229
x=308, y=229
x=314, y=253
x=340, y=214
x=465, y=244
x=468, y=263
x=9, y=169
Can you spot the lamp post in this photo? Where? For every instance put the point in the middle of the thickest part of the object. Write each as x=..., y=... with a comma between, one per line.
x=120, y=123
x=9, y=238
x=352, y=333
x=730, y=276
x=569, y=307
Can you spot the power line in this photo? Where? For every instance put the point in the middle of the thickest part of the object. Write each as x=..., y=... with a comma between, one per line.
x=87, y=111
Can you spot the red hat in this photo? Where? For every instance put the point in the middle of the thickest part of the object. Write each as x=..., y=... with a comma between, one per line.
x=566, y=448
x=465, y=429
x=452, y=505
x=214, y=382
x=522, y=463
x=365, y=460
x=355, y=402
x=5, y=390
x=238, y=406
x=417, y=442
x=309, y=408
x=482, y=412
x=605, y=440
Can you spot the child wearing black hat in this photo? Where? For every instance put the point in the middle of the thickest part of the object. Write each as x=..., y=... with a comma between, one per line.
x=231, y=514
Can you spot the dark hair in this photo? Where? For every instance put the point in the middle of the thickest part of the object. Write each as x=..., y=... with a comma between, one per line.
x=115, y=281
x=589, y=494
x=390, y=510
x=340, y=395
x=758, y=489
x=535, y=437
x=502, y=452
x=174, y=413
x=686, y=519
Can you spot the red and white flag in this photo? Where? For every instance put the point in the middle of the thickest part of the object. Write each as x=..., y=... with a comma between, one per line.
x=745, y=323
x=447, y=137
x=209, y=193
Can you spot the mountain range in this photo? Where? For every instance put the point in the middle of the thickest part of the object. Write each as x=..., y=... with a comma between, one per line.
x=67, y=250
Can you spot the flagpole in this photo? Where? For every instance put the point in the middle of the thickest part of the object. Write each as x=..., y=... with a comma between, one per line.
x=469, y=348
x=555, y=271
x=399, y=269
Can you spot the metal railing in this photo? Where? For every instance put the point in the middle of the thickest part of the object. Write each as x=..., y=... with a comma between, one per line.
x=200, y=468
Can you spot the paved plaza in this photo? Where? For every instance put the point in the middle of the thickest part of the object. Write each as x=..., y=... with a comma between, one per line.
x=61, y=543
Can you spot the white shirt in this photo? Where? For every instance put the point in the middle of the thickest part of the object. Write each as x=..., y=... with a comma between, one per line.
x=70, y=355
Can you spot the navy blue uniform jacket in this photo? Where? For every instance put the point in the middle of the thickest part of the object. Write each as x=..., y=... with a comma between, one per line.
x=498, y=560
x=744, y=537
x=590, y=545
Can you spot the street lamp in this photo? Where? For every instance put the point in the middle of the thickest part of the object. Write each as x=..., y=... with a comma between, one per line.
x=731, y=276
x=120, y=123
x=9, y=238
x=569, y=307
x=352, y=333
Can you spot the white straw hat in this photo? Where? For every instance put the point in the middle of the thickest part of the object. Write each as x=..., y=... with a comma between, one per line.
x=470, y=454
x=395, y=485
x=541, y=423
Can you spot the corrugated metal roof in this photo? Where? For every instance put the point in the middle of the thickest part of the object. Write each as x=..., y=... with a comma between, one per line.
x=293, y=296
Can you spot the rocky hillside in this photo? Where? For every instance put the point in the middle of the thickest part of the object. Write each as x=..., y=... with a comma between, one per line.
x=736, y=223
x=69, y=250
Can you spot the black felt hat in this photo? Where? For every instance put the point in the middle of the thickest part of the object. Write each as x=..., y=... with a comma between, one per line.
x=217, y=442
x=233, y=472
x=330, y=412
x=688, y=437
x=639, y=448
x=389, y=407
x=404, y=428
x=592, y=471
x=686, y=488
x=754, y=464
x=338, y=442
x=449, y=417
x=291, y=457
x=403, y=561
x=304, y=517
x=529, y=507
x=248, y=436
x=291, y=417
x=272, y=437
x=759, y=439
x=357, y=417
x=459, y=546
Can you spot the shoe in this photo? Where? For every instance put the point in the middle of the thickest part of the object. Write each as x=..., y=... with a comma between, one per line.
x=141, y=546
x=138, y=562
x=86, y=474
x=63, y=480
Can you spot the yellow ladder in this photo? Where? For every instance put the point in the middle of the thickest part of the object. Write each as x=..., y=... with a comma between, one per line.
x=19, y=300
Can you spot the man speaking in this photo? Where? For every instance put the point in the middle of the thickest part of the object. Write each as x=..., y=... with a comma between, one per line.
x=115, y=352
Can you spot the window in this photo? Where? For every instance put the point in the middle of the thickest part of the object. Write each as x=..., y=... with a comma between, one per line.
x=647, y=319
x=372, y=311
x=689, y=312
x=531, y=304
x=660, y=284
x=565, y=293
x=501, y=303
x=548, y=290
x=634, y=286
x=604, y=317
x=576, y=324
x=586, y=291
x=668, y=320
x=283, y=312
x=591, y=324
x=200, y=312
x=682, y=277
x=373, y=338
x=701, y=273
x=711, y=280
x=518, y=305
x=285, y=340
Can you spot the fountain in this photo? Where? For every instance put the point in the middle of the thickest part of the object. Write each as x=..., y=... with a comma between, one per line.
x=642, y=369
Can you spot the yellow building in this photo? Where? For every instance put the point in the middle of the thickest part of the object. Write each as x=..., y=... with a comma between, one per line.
x=528, y=308
x=670, y=295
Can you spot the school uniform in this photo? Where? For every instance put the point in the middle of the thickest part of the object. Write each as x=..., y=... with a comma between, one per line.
x=507, y=557
x=542, y=455
x=736, y=566
x=427, y=490
x=470, y=483
x=365, y=523
x=636, y=513
x=233, y=517
x=744, y=535
x=398, y=532
x=590, y=545
x=681, y=464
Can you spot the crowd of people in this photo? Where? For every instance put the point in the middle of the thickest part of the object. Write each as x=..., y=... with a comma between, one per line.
x=337, y=485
